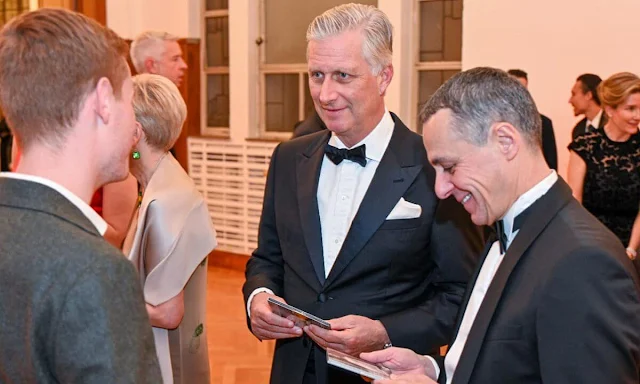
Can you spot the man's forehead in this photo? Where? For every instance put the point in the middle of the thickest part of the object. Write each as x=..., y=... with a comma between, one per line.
x=172, y=47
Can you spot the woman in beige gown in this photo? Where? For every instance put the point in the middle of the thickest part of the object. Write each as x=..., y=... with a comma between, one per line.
x=170, y=236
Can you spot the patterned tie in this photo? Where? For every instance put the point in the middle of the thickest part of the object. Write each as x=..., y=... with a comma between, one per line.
x=336, y=155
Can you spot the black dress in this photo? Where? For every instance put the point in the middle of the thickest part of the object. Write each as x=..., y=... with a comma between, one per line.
x=612, y=184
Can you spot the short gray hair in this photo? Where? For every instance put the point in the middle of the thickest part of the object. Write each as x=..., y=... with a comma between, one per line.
x=481, y=97
x=159, y=108
x=148, y=44
x=377, y=48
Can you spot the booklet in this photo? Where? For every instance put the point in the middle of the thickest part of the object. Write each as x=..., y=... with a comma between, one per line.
x=298, y=316
x=357, y=365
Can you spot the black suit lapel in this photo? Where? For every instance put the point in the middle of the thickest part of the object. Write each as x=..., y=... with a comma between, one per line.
x=467, y=295
x=542, y=211
x=396, y=172
x=308, y=164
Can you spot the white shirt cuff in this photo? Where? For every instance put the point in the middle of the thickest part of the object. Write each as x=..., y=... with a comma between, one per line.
x=255, y=292
x=436, y=368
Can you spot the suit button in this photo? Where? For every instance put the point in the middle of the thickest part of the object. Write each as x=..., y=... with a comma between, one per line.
x=322, y=297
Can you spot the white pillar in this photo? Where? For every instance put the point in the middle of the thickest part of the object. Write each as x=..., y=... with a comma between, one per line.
x=398, y=98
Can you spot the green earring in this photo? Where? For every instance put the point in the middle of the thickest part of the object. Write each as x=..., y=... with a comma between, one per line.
x=135, y=155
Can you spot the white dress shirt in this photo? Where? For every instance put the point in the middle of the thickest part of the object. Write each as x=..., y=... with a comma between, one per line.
x=489, y=267
x=595, y=122
x=341, y=189
x=86, y=210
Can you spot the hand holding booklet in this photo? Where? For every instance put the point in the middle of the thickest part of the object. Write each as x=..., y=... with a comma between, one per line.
x=298, y=316
x=357, y=365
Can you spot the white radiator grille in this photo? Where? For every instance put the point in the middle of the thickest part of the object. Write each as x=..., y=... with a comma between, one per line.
x=231, y=177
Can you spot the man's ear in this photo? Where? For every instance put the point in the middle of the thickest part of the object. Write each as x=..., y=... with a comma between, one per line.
x=507, y=138
x=384, y=79
x=104, y=99
x=150, y=65
x=588, y=95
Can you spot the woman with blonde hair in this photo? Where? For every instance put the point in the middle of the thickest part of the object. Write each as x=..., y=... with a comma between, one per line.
x=170, y=236
x=604, y=165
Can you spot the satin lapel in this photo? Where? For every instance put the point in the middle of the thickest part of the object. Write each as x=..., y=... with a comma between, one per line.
x=394, y=175
x=308, y=164
x=543, y=210
x=467, y=295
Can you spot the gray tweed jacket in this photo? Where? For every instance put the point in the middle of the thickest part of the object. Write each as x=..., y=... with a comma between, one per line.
x=71, y=306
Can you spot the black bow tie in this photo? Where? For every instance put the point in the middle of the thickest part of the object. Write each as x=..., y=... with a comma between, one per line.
x=591, y=128
x=336, y=155
x=517, y=224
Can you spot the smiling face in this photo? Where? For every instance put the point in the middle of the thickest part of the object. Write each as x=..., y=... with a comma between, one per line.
x=474, y=175
x=625, y=117
x=579, y=100
x=348, y=97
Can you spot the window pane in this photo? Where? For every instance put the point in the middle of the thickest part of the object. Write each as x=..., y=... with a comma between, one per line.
x=218, y=100
x=285, y=34
x=429, y=82
x=441, y=30
x=309, y=109
x=282, y=101
x=217, y=40
x=12, y=8
x=216, y=4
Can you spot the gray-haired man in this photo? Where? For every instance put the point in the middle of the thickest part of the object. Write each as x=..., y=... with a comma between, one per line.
x=351, y=229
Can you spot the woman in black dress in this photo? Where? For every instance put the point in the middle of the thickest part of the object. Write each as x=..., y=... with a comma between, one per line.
x=604, y=165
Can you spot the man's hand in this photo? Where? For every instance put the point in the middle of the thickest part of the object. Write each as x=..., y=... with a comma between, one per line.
x=401, y=361
x=406, y=379
x=350, y=334
x=267, y=325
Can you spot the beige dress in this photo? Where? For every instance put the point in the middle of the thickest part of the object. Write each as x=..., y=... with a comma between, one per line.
x=168, y=242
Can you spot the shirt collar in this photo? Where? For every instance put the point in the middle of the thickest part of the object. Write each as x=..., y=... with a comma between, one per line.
x=86, y=210
x=596, y=120
x=376, y=141
x=525, y=200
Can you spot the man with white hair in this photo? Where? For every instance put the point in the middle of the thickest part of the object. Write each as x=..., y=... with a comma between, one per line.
x=351, y=229
x=158, y=53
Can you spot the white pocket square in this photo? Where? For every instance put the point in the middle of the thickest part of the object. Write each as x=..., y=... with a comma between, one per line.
x=405, y=210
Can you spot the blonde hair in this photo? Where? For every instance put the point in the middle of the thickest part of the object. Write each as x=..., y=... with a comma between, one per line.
x=159, y=108
x=376, y=28
x=50, y=59
x=617, y=88
x=148, y=44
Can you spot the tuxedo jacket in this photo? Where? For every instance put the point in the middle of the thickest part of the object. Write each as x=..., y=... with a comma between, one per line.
x=580, y=128
x=410, y=273
x=563, y=306
x=71, y=308
x=549, y=148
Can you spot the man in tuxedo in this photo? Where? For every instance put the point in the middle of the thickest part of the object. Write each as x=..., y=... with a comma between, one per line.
x=585, y=101
x=72, y=309
x=351, y=230
x=549, y=149
x=554, y=299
